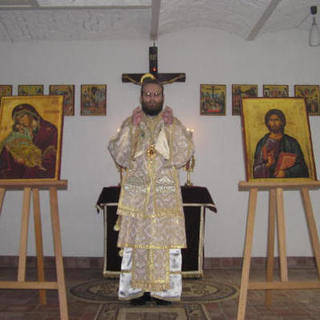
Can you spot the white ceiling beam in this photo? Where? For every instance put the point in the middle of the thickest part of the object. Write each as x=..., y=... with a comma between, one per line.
x=34, y=3
x=83, y=4
x=261, y=22
x=155, y=15
x=16, y=3
x=93, y=3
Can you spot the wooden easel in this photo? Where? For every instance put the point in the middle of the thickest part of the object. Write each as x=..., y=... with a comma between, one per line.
x=276, y=209
x=41, y=284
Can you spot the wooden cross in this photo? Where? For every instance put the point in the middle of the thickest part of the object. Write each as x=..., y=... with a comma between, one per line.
x=164, y=78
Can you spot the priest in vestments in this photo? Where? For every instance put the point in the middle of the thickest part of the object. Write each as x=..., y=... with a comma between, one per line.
x=151, y=146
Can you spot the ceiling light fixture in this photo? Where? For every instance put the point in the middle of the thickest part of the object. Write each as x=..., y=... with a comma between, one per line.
x=314, y=34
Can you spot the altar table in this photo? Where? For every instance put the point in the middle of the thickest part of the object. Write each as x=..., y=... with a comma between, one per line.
x=195, y=201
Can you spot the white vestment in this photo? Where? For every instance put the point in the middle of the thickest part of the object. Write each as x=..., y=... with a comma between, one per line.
x=150, y=204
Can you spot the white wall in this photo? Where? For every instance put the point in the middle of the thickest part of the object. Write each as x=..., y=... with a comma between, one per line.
x=206, y=56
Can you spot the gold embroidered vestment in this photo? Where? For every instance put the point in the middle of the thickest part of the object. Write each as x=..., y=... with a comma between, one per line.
x=150, y=204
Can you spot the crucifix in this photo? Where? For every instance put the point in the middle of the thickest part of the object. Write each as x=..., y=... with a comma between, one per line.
x=164, y=78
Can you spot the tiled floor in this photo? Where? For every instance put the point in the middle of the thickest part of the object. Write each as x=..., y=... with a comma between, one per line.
x=287, y=305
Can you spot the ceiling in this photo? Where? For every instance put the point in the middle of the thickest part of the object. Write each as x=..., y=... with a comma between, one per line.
x=65, y=20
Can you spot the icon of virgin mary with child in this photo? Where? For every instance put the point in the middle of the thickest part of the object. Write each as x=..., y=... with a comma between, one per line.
x=29, y=151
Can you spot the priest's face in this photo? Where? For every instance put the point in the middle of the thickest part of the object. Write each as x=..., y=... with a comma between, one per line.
x=152, y=99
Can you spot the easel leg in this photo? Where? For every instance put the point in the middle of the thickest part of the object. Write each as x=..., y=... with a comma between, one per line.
x=247, y=255
x=24, y=234
x=2, y=193
x=58, y=253
x=282, y=236
x=312, y=226
x=39, y=244
x=271, y=234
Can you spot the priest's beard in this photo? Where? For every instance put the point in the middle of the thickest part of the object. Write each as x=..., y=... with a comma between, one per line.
x=152, y=109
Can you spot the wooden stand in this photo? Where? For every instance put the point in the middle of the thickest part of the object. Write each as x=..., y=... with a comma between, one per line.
x=276, y=209
x=41, y=284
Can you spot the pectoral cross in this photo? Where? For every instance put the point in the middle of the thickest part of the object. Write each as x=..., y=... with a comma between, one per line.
x=164, y=78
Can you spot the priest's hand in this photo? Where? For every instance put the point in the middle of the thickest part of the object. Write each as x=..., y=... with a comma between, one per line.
x=136, y=116
x=167, y=115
